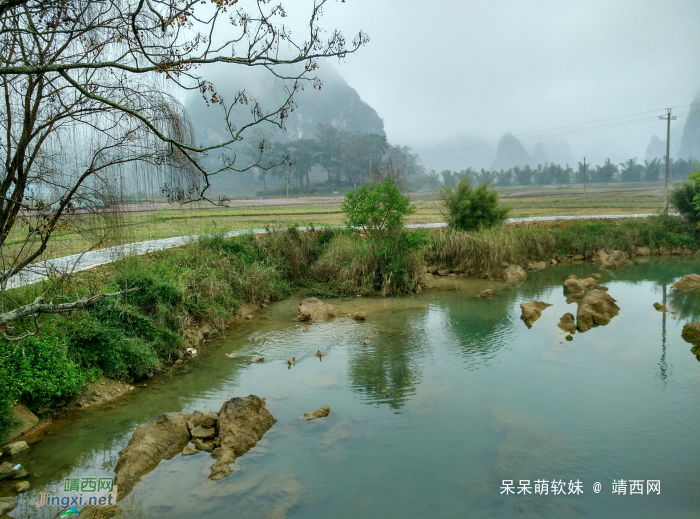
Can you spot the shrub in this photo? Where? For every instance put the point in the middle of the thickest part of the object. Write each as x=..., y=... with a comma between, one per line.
x=378, y=211
x=683, y=197
x=472, y=209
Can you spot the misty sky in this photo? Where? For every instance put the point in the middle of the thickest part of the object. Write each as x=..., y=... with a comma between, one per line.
x=455, y=71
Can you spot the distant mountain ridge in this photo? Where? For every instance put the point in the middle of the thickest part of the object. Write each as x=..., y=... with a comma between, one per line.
x=336, y=104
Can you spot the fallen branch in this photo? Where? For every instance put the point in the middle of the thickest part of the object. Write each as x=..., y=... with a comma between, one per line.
x=39, y=307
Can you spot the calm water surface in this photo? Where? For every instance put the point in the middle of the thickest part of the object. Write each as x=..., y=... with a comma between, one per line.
x=452, y=396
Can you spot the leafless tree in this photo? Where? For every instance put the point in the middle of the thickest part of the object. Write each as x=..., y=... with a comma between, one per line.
x=89, y=97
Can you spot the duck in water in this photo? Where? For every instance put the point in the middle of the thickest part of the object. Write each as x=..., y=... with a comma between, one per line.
x=232, y=354
x=369, y=336
x=255, y=361
x=292, y=361
x=366, y=341
x=305, y=329
x=319, y=354
x=253, y=338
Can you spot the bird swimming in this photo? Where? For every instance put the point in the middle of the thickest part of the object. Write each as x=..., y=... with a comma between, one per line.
x=366, y=341
x=255, y=361
x=292, y=361
x=232, y=354
x=319, y=354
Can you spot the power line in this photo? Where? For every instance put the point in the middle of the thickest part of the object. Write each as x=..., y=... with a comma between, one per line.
x=543, y=134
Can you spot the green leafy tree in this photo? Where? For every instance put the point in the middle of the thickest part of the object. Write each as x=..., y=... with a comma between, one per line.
x=652, y=170
x=470, y=209
x=605, y=173
x=378, y=210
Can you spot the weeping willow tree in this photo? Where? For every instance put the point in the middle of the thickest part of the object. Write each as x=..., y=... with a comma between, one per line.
x=90, y=106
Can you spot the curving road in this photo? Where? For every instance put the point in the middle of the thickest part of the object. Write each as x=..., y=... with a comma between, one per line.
x=77, y=262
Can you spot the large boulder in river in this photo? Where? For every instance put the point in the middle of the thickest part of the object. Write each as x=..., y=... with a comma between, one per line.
x=532, y=311
x=160, y=438
x=595, y=307
x=312, y=309
x=514, y=274
x=575, y=285
x=688, y=282
x=616, y=260
x=242, y=423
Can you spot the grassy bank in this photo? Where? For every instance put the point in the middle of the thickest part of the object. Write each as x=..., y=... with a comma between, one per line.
x=204, y=282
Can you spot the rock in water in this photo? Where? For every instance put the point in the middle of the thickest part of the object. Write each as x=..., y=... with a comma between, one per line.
x=7, y=471
x=575, y=285
x=22, y=486
x=688, y=282
x=595, y=307
x=660, y=307
x=242, y=422
x=691, y=333
x=532, y=311
x=536, y=265
x=318, y=413
x=312, y=309
x=359, y=316
x=485, y=293
x=642, y=251
x=617, y=259
x=160, y=438
x=203, y=433
x=567, y=323
x=189, y=451
x=7, y=504
x=514, y=274
x=14, y=448
x=600, y=256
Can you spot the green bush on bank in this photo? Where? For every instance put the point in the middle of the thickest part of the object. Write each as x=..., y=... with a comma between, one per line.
x=685, y=197
x=470, y=208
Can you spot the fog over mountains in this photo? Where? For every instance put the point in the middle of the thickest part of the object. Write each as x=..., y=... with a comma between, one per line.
x=336, y=104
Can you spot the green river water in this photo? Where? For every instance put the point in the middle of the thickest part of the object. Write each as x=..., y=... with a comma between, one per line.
x=452, y=396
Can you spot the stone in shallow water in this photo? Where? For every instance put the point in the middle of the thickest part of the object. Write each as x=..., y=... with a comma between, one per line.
x=318, y=413
x=159, y=438
x=7, y=504
x=14, y=448
x=189, y=451
x=688, y=282
x=532, y=311
x=595, y=308
x=242, y=423
x=203, y=433
x=7, y=470
x=567, y=324
x=22, y=486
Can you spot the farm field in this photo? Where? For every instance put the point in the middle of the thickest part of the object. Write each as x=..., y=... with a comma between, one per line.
x=149, y=221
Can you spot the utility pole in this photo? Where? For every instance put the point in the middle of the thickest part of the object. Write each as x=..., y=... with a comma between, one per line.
x=584, y=176
x=668, y=155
